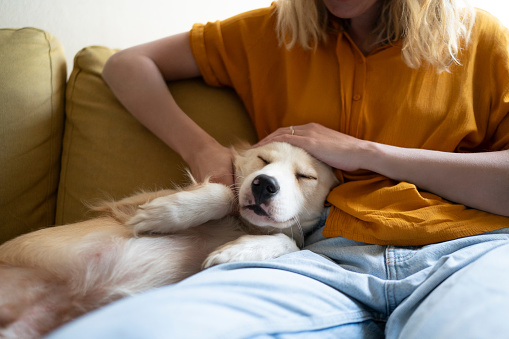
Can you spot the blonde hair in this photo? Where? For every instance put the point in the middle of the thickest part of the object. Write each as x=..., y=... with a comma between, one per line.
x=433, y=32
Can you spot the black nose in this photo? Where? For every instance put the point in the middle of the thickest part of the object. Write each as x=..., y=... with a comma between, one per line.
x=264, y=188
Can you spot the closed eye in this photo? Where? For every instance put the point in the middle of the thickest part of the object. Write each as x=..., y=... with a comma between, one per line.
x=266, y=162
x=305, y=177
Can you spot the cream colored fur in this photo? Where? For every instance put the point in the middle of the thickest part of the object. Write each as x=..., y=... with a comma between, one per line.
x=153, y=239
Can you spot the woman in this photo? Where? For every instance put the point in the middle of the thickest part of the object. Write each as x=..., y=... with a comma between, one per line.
x=408, y=101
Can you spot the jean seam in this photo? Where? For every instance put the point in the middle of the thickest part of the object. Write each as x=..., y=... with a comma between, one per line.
x=399, y=259
x=300, y=324
x=390, y=286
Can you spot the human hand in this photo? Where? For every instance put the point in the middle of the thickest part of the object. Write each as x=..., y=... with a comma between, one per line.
x=214, y=162
x=334, y=148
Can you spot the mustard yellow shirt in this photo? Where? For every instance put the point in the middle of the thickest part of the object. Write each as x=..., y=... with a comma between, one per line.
x=375, y=97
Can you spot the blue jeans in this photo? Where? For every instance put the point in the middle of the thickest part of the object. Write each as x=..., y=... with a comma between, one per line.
x=335, y=288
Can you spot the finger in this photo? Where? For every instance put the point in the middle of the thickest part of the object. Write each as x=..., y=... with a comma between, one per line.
x=295, y=140
x=277, y=135
x=225, y=179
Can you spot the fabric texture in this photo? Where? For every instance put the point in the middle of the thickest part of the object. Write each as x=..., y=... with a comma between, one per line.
x=336, y=288
x=32, y=87
x=375, y=97
x=101, y=137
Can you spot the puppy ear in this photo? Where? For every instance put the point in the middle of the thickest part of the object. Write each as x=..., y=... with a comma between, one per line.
x=241, y=147
x=239, y=150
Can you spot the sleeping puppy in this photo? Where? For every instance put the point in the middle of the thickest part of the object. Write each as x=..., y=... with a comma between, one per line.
x=153, y=239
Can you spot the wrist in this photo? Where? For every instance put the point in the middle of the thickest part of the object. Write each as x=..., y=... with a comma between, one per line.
x=192, y=151
x=391, y=161
x=370, y=155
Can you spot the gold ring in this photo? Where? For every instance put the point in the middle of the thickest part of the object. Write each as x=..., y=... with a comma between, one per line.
x=292, y=130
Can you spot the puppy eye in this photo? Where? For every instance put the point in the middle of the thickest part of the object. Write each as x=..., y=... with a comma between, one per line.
x=266, y=162
x=305, y=177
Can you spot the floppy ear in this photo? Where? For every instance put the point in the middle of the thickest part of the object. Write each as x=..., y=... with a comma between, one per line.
x=240, y=148
x=238, y=151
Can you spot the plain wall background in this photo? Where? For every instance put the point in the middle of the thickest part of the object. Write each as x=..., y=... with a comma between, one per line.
x=116, y=23
x=124, y=23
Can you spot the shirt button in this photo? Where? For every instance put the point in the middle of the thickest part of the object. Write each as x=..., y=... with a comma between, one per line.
x=357, y=97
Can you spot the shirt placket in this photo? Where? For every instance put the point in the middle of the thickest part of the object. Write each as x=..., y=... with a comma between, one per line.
x=359, y=93
x=352, y=68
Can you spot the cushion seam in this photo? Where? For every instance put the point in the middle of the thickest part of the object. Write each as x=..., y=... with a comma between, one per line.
x=69, y=129
x=52, y=126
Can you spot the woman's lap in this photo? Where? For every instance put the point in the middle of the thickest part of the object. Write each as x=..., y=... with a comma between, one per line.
x=348, y=290
x=230, y=301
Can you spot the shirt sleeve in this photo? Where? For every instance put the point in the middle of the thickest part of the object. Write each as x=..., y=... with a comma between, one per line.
x=208, y=52
x=224, y=49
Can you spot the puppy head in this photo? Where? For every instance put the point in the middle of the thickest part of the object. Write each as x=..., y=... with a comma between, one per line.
x=281, y=185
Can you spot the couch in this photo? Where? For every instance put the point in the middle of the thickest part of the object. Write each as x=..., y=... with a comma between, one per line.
x=67, y=143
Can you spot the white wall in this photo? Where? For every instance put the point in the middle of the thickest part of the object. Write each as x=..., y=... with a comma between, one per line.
x=124, y=23
x=116, y=23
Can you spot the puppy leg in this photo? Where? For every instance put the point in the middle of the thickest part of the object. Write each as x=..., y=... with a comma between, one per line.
x=124, y=209
x=252, y=248
x=183, y=209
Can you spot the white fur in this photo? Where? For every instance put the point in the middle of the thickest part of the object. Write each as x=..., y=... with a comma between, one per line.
x=252, y=248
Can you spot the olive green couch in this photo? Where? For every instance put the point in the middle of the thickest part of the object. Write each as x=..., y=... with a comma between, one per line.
x=65, y=143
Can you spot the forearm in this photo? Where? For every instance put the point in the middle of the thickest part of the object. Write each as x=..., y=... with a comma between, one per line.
x=140, y=86
x=478, y=180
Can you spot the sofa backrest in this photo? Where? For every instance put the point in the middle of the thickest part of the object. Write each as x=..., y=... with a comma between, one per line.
x=108, y=154
x=32, y=85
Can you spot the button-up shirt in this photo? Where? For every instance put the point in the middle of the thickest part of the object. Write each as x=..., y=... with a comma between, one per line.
x=373, y=97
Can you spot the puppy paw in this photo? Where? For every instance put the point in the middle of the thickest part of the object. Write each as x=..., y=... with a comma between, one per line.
x=251, y=248
x=183, y=209
x=161, y=215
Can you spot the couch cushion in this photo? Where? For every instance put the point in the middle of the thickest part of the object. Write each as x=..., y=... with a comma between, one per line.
x=32, y=85
x=108, y=153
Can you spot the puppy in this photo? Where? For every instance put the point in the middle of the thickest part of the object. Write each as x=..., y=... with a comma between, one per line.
x=153, y=239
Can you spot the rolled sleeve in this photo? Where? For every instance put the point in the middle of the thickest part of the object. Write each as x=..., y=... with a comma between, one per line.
x=208, y=50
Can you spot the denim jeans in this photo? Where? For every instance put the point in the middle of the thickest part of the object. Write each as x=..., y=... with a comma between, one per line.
x=334, y=288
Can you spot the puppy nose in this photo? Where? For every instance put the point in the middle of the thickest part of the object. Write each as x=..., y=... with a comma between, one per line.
x=264, y=188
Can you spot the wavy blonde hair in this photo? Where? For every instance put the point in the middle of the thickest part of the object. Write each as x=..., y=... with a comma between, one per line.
x=433, y=32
